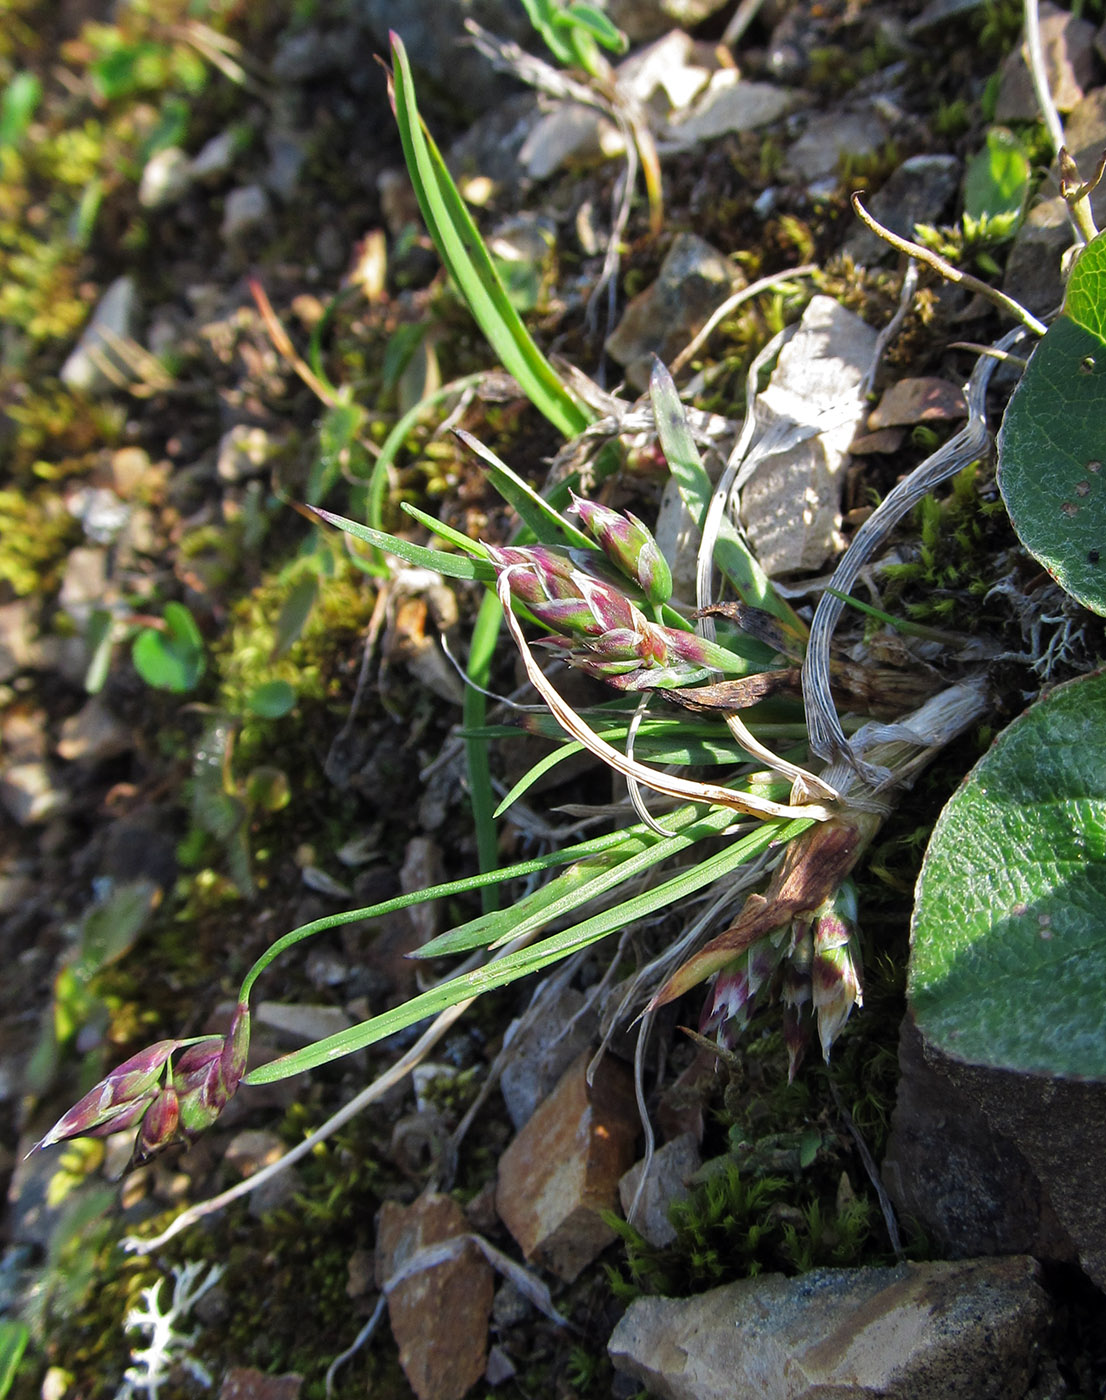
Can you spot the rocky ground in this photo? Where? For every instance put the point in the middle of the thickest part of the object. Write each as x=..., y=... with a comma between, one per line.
x=217, y=300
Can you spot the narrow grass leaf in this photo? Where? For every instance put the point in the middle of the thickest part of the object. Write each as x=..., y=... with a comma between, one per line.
x=469, y=263
x=525, y=961
x=451, y=565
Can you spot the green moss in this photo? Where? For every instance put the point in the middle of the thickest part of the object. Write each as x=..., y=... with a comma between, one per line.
x=36, y=532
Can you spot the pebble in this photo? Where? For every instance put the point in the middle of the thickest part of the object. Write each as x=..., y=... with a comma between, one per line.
x=115, y=318
x=439, y=1315
x=672, y=1167
x=166, y=179
x=563, y=1168
x=245, y=209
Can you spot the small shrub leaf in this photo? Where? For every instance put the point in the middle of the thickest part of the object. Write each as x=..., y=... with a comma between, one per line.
x=1008, y=957
x=1051, y=446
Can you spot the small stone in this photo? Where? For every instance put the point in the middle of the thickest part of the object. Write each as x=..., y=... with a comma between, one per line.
x=918, y=192
x=84, y=584
x=1033, y=269
x=300, y=1024
x=439, y=1315
x=245, y=451
x=819, y=149
x=871, y=444
x=564, y=1167
x=360, y=1273
x=102, y=514
x=922, y=400
x=245, y=208
x=287, y=157
x=16, y=650
x=500, y=1367
x=93, y=734
x=115, y=318
x=927, y=1331
x=130, y=470
x=693, y=280
x=729, y=104
x=667, y=75
x=250, y=1150
x=216, y=156
x=570, y=133
x=543, y=1045
x=671, y=1169
x=166, y=179
x=646, y=19
x=30, y=794
x=247, y=1383
x=422, y=868
x=1068, y=45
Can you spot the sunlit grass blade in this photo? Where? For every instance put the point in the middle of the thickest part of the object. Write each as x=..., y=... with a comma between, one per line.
x=451, y=565
x=482, y=644
x=536, y=771
x=525, y=961
x=731, y=554
x=546, y=524
x=468, y=262
x=642, y=850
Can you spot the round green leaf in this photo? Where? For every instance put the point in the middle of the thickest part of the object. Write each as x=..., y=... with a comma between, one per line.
x=271, y=699
x=1052, y=444
x=1008, y=956
x=172, y=659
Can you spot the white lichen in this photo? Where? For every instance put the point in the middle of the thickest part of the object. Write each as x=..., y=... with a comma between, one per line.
x=167, y=1346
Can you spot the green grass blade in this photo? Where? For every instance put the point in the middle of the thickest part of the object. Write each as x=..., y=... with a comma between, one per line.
x=536, y=771
x=642, y=850
x=452, y=565
x=546, y=524
x=468, y=262
x=485, y=635
x=527, y=960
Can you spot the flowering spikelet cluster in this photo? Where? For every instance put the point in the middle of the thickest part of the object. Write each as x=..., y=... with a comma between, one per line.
x=812, y=964
x=169, y=1099
x=596, y=625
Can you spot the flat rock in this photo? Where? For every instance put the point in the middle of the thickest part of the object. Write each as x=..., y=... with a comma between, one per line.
x=672, y=1167
x=1033, y=275
x=918, y=192
x=947, y=1168
x=115, y=318
x=922, y=400
x=913, y=1332
x=439, y=1315
x=728, y=104
x=693, y=279
x=790, y=504
x=564, y=1167
x=1068, y=45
